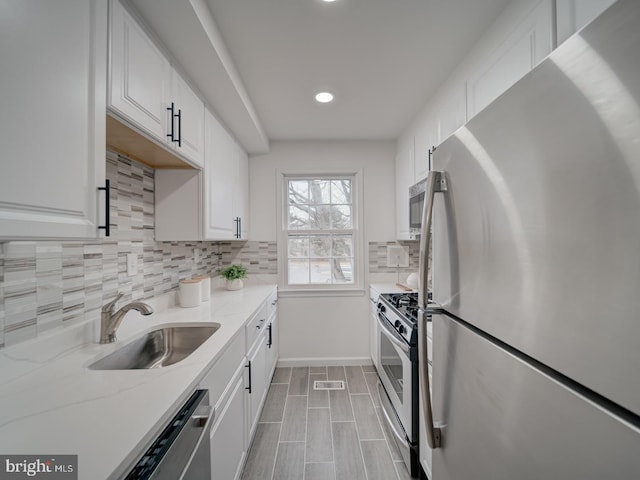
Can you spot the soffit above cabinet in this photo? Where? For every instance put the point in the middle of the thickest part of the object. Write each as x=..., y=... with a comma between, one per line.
x=260, y=63
x=187, y=29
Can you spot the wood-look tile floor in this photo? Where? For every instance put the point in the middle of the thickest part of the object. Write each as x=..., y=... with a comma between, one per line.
x=307, y=434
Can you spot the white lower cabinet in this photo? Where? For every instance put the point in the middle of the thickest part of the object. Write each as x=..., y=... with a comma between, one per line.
x=228, y=442
x=238, y=383
x=257, y=381
x=373, y=309
x=272, y=345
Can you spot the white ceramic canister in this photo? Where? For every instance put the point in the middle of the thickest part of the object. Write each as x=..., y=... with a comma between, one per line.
x=190, y=293
x=205, y=284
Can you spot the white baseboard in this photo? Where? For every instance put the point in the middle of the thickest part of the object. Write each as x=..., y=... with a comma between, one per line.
x=324, y=362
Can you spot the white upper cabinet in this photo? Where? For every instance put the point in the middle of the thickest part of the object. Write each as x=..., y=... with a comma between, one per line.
x=188, y=120
x=226, y=186
x=206, y=204
x=404, y=179
x=452, y=113
x=241, y=194
x=523, y=49
x=147, y=93
x=572, y=15
x=220, y=173
x=140, y=75
x=425, y=139
x=53, y=77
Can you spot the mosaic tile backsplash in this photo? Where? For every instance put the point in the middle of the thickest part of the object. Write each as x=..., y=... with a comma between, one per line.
x=46, y=284
x=378, y=257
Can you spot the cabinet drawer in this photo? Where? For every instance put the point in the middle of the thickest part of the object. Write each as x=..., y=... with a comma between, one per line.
x=272, y=304
x=217, y=379
x=256, y=325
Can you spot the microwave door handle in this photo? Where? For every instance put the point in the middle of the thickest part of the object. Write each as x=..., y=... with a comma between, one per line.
x=436, y=182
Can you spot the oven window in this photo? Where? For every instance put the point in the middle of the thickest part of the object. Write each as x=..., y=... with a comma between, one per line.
x=392, y=365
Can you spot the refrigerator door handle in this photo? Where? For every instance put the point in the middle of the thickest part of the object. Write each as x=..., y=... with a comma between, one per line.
x=436, y=182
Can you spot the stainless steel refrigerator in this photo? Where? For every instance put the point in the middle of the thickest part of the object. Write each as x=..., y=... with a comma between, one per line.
x=536, y=269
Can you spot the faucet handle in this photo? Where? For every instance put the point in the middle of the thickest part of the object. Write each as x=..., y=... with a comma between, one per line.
x=108, y=308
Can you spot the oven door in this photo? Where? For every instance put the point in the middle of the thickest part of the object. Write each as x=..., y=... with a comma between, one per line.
x=395, y=373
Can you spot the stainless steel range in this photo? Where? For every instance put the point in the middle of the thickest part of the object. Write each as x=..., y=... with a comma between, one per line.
x=398, y=371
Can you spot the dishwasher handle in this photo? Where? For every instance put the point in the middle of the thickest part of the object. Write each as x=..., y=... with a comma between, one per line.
x=199, y=462
x=182, y=446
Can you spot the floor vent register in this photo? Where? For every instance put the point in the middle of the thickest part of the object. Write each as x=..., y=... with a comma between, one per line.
x=328, y=385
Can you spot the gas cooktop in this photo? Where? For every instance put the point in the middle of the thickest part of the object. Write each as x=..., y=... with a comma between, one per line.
x=405, y=304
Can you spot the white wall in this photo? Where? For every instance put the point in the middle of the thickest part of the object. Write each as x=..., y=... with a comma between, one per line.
x=328, y=329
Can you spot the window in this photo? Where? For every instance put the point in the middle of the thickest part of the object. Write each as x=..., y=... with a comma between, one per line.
x=320, y=231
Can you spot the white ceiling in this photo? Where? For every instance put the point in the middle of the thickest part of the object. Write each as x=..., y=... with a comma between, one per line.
x=259, y=63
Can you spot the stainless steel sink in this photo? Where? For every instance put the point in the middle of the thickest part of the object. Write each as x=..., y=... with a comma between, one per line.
x=158, y=348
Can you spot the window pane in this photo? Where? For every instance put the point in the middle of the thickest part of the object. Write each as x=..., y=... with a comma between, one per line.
x=298, y=217
x=320, y=217
x=299, y=247
x=342, y=246
x=320, y=191
x=298, y=191
x=342, y=271
x=298, y=271
x=320, y=246
x=320, y=270
x=341, y=191
x=341, y=216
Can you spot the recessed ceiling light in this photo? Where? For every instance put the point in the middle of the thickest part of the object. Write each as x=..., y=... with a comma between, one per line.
x=328, y=1
x=324, y=97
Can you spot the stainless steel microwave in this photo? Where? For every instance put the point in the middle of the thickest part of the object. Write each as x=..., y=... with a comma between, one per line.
x=416, y=205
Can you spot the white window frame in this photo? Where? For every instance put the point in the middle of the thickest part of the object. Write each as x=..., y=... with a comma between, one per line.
x=355, y=288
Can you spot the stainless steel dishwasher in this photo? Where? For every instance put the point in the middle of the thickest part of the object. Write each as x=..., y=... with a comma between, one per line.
x=181, y=451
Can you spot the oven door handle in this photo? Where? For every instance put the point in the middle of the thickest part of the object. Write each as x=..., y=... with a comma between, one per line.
x=393, y=336
x=395, y=426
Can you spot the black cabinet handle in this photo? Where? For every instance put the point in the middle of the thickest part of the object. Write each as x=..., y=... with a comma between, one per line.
x=107, y=219
x=179, y=127
x=249, y=367
x=270, y=341
x=238, y=222
x=171, y=134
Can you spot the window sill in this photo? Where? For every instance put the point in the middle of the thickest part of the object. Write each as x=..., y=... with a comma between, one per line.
x=292, y=292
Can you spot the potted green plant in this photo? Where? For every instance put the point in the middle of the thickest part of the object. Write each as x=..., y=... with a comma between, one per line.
x=234, y=275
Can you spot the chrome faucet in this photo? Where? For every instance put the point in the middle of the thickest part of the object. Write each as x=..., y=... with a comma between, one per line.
x=109, y=321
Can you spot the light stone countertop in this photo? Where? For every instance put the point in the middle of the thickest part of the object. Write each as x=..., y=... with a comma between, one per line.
x=51, y=403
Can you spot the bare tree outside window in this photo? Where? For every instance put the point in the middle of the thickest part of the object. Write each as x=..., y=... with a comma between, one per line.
x=320, y=231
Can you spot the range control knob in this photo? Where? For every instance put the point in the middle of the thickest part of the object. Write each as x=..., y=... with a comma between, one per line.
x=399, y=326
x=381, y=308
